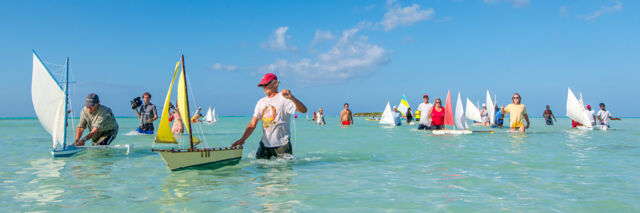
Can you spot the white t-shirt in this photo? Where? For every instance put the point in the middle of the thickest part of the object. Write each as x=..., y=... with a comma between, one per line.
x=320, y=119
x=590, y=114
x=275, y=114
x=604, y=115
x=424, y=111
x=484, y=115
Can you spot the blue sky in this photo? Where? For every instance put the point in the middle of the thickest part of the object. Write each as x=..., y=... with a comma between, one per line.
x=328, y=52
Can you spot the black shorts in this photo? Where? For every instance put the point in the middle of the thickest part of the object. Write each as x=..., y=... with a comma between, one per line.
x=423, y=126
x=105, y=138
x=436, y=127
x=268, y=152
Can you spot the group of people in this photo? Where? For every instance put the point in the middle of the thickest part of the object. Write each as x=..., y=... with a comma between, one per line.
x=346, y=116
x=602, y=117
x=275, y=111
x=432, y=115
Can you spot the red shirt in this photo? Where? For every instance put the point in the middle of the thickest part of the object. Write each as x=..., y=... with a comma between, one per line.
x=437, y=118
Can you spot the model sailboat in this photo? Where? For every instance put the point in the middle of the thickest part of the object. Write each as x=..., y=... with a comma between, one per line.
x=211, y=116
x=387, y=116
x=194, y=155
x=50, y=102
x=576, y=111
x=458, y=122
x=472, y=112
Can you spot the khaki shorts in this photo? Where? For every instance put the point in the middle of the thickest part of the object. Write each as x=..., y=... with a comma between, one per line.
x=104, y=138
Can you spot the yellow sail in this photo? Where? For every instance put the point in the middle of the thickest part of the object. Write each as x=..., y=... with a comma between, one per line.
x=164, y=134
x=183, y=106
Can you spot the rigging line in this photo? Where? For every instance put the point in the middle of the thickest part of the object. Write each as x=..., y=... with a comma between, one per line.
x=195, y=102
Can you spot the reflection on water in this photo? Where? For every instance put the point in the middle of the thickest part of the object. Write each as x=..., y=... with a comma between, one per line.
x=274, y=186
x=47, y=171
x=517, y=141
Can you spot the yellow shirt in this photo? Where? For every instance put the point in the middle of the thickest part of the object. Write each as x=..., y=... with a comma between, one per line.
x=516, y=114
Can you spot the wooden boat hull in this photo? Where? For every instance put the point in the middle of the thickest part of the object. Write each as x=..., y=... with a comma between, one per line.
x=182, y=159
x=450, y=132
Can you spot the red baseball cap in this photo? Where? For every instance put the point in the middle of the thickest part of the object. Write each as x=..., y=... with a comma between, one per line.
x=588, y=106
x=267, y=78
x=425, y=96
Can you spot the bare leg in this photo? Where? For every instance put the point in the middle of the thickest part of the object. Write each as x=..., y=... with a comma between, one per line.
x=521, y=129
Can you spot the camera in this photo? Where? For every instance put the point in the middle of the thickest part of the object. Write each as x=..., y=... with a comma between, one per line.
x=136, y=102
x=171, y=106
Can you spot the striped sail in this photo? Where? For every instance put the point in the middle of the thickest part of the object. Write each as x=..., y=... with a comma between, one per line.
x=403, y=106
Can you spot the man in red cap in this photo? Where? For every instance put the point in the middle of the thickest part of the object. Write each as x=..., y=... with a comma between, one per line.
x=275, y=112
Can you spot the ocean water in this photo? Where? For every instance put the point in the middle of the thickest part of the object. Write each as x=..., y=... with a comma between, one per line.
x=362, y=168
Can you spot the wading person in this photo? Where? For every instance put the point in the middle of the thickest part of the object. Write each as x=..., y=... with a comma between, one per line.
x=517, y=112
x=147, y=114
x=547, y=115
x=436, y=115
x=102, y=125
x=320, y=117
x=275, y=112
x=425, y=109
x=604, y=116
x=346, y=118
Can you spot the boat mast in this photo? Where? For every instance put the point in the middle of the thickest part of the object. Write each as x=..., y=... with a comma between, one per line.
x=187, y=97
x=66, y=102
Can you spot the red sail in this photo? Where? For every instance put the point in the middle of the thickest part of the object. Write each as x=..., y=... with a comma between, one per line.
x=448, y=111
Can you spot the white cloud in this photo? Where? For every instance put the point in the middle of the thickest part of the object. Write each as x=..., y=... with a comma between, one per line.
x=397, y=15
x=515, y=3
x=351, y=56
x=370, y=7
x=278, y=40
x=604, y=10
x=322, y=36
x=219, y=66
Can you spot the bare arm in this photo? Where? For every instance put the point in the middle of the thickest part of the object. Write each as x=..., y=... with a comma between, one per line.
x=155, y=117
x=299, y=106
x=554, y=117
x=79, y=132
x=351, y=117
x=247, y=132
x=526, y=118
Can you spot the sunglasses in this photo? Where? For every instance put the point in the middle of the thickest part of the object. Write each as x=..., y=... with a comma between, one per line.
x=515, y=98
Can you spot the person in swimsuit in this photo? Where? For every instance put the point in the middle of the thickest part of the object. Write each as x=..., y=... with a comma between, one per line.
x=177, y=127
x=409, y=116
x=547, y=115
x=436, y=115
x=517, y=112
x=320, y=117
x=346, y=117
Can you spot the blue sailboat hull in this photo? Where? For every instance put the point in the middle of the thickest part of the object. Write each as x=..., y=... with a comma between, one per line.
x=66, y=152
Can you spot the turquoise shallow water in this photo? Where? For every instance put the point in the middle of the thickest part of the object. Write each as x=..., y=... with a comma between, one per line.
x=366, y=167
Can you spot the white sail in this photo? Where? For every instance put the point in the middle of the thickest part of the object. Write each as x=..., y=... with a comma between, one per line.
x=472, y=112
x=214, y=115
x=387, y=116
x=48, y=102
x=459, y=120
x=209, y=116
x=576, y=111
x=491, y=108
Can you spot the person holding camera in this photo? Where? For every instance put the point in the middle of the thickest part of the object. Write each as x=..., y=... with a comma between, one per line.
x=147, y=114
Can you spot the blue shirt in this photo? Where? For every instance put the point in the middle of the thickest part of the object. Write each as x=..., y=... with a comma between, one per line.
x=396, y=118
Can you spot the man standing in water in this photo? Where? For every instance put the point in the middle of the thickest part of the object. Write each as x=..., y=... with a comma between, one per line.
x=424, y=109
x=591, y=115
x=100, y=120
x=547, y=115
x=275, y=111
x=604, y=116
x=147, y=114
x=516, y=111
x=346, y=118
